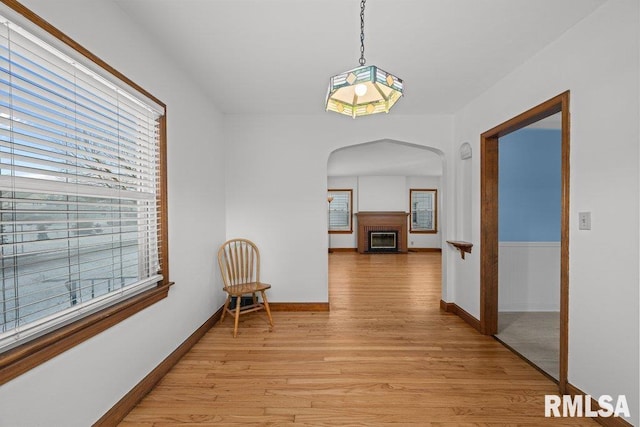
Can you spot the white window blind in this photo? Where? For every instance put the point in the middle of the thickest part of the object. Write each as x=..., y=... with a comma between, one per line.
x=79, y=182
x=423, y=210
x=340, y=210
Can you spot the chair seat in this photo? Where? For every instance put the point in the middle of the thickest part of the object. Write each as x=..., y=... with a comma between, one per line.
x=246, y=288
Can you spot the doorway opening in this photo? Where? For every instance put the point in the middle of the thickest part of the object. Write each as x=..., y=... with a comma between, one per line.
x=380, y=175
x=490, y=230
x=529, y=242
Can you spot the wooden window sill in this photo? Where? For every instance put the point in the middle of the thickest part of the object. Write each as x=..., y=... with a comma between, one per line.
x=19, y=360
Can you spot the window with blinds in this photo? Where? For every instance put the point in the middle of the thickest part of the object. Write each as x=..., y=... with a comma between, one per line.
x=340, y=213
x=79, y=184
x=423, y=212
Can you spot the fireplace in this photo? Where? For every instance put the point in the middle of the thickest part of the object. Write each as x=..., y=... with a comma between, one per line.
x=383, y=241
x=388, y=230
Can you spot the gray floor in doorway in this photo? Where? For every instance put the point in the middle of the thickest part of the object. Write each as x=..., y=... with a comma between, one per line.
x=535, y=335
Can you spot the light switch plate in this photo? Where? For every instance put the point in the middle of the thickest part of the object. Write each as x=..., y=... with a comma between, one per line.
x=584, y=220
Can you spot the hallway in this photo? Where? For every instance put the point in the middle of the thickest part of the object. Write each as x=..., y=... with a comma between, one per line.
x=385, y=354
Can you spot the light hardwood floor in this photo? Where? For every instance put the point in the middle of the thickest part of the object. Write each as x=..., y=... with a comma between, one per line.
x=384, y=355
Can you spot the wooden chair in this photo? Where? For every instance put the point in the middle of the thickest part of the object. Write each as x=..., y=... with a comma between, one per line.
x=239, y=261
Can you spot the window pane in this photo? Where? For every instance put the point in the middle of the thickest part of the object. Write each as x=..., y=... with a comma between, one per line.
x=339, y=210
x=79, y=162
x=59, y=251
x=423, y=210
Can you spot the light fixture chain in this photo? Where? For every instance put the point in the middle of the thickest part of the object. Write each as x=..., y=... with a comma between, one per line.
x=362, y=60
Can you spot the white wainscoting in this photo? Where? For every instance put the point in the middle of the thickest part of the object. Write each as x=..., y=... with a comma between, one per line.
x=529, y=276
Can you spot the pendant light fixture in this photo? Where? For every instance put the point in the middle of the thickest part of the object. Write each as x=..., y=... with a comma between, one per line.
x=363, y=90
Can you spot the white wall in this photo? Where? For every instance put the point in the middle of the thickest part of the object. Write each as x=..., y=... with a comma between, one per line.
x=287, y=217
x=529, y=276
x=382, y=193
x=391, y=193
x=79, y=386
x=385, y=193
x=598, y=61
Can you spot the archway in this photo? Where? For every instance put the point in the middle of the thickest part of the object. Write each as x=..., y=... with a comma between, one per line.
x=373, y=167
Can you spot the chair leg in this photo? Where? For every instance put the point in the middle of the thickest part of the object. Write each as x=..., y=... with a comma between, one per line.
x=235, y=328
x=226, y=306
x=266, y=306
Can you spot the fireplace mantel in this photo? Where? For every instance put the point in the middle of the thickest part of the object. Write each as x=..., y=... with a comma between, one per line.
x=382, y=221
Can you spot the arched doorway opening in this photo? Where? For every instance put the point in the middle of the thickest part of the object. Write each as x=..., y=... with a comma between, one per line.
x=379, y=175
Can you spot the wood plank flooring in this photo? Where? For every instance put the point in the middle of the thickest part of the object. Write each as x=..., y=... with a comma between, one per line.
x=384, y=355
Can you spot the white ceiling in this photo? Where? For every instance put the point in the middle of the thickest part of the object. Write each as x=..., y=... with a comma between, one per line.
x=261, y=56
x=266, y=56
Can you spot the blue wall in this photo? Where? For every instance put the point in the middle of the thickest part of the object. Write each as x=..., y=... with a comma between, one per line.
x=530, y=186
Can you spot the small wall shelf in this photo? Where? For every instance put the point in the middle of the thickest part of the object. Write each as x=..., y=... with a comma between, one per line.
x=463, y=247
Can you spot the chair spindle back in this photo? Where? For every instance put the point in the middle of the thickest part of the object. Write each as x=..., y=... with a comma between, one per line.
x=239, y=261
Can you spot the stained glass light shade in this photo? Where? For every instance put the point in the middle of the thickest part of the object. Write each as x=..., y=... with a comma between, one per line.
x=362, y=91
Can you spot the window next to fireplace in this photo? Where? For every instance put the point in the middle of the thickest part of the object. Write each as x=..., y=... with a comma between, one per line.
x=383, y=241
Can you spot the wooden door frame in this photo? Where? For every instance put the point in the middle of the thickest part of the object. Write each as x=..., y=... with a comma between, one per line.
x=489, y=221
